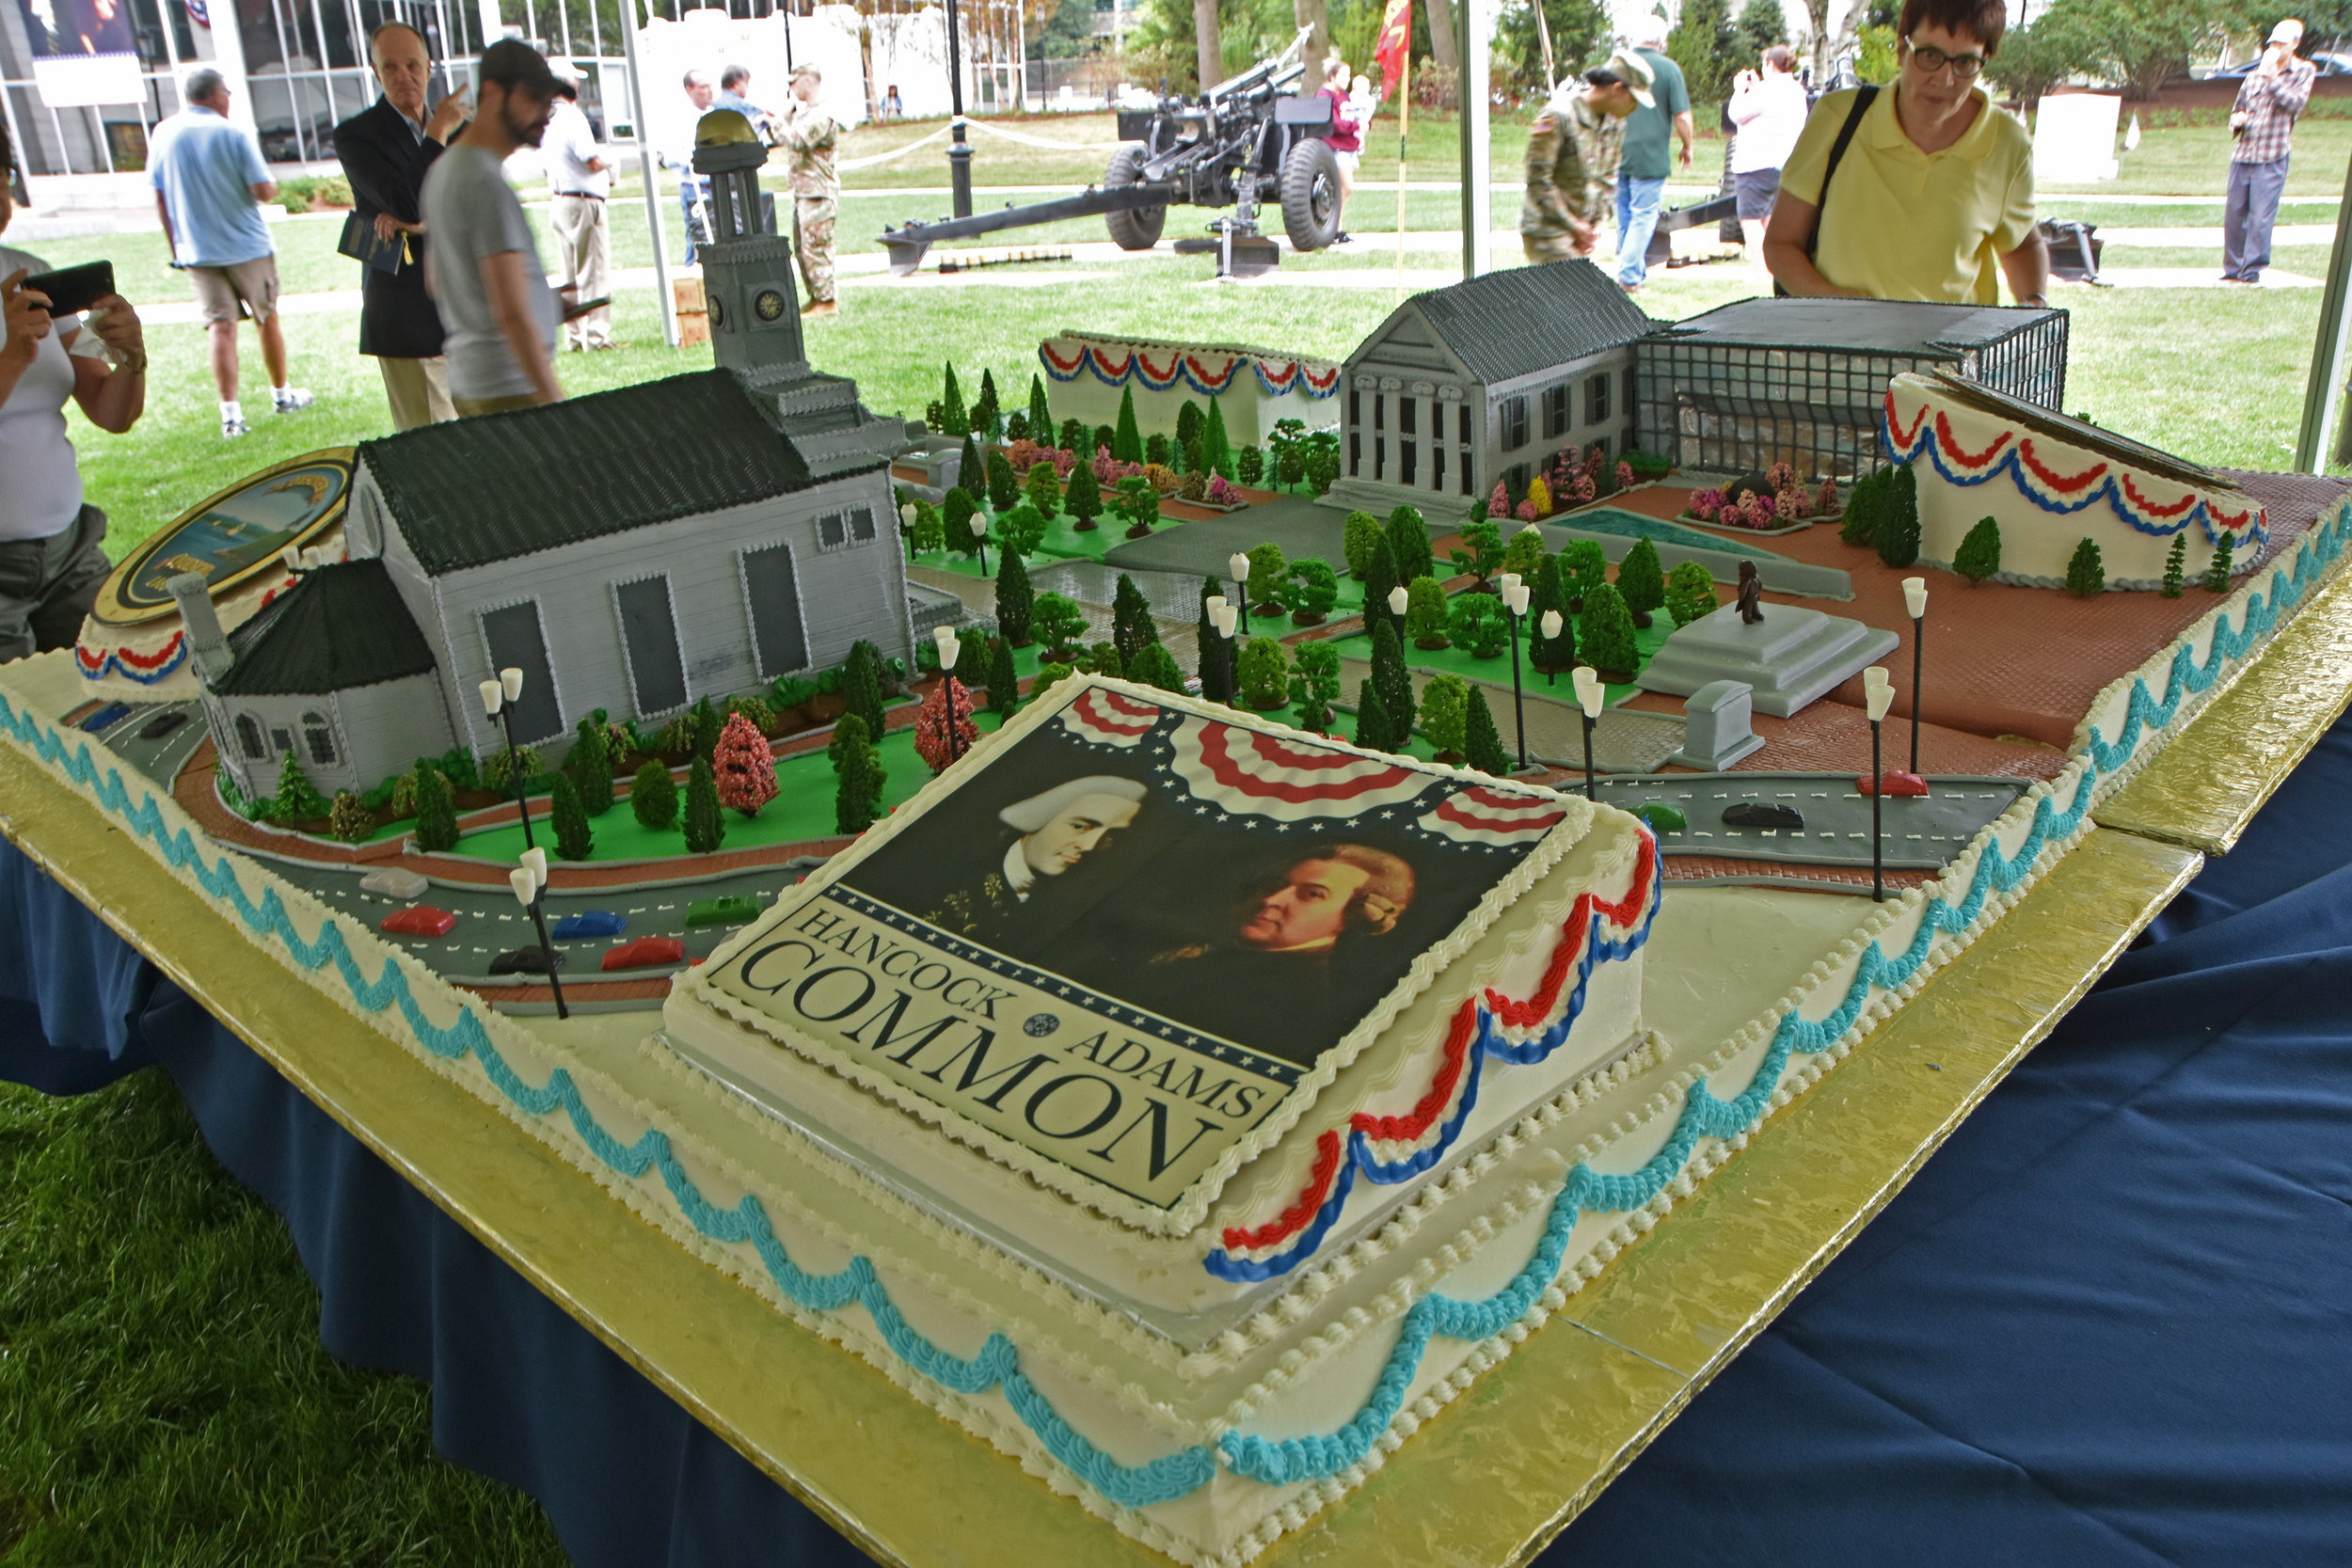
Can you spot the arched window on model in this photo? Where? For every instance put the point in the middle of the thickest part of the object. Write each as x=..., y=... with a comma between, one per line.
x=249, y=736
x=320, y=737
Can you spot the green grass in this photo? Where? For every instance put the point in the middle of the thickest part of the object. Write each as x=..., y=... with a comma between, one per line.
x=163, y=1398
x=2194, y=160
x=1458, y=661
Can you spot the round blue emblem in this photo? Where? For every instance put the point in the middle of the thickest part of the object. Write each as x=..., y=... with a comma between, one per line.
x=1040, y=1024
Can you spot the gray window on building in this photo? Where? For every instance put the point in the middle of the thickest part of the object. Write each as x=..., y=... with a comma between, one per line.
x=1466, y=423
x=1514, y=423
x=281, y=741
x=1355, y=406
x=1407, y=412
x=778, y=636
x=1380, y=412
x=861, y=524
x=1597, y=399
x=249, y=736
x=1408, y=456
x=1555, y=410
x=1437, y=464
x=1631, y=399
x=656, y=669
x=319, y=735
x=833, y=531
x=515, y=642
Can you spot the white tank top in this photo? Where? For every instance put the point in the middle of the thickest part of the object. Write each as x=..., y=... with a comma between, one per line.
x=40, y=487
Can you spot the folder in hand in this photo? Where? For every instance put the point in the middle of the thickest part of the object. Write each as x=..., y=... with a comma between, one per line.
x=359, y=243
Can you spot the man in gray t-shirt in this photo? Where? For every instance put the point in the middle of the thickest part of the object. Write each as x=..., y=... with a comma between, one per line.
x=482, y=263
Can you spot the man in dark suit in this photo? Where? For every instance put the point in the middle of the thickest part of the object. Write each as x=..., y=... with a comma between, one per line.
x=385, y=152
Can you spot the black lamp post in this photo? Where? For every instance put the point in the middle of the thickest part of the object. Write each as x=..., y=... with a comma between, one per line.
x=1915, y=600
x=1550, y=626
x=1227, y=618
x=1589, y=692
x=958, y=150
x=497, y=701
x=1878, y=695
x=1238, y=563
x=950, y=648
x=529, y=880
x=1514, y=597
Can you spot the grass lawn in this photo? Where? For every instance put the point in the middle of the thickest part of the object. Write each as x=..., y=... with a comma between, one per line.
x=1458, y=661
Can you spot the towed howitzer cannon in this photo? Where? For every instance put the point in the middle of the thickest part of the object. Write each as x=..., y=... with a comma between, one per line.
x=1245, y=142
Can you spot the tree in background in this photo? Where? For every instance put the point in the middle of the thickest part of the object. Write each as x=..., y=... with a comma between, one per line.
x=1209, y=647
x=1373, y=729
x=988, y=409
x=1022, y=529
x=1482, y=743
x=954, y=418
x=1583, y=568
x=1155, y=666
x=1408, y=540
x=653, y=798
x=1084, y=499
x=706, y=829
x=2141, y=43
x=437, y=810
x=1424, y=614
x=1580, y=34
x=858, y=776
x=927, y=535
x=1379, y=574
x=1363, y=530
x=1604, y=634
x=2087, y=573
x=1707, y=48
x=1393, y=683
x=1189, y=423
x=569, y=819
x=1445, y=715
x=931, y=724
x=1078, y=438
x=1044, y=488
x=1641, y=582
x=591, y=765
x=861, y=684
x=1980, y=554
x=2218, y=574
x=351, y=818
x=1763, y=23
x=1264, y=675
x=1132, y=626
x=1003, y=489
x=2175, y=564
x=1550, y=654
x=1524, y=553
x=1126, y=440
x=1015, y=599
x=1898, y=533
x=1217, y=448
x=744, y=767
x=1314, y=685
x=1865, y=504
x=1309, y=591
x=954, y=522
x=298, y=799
x=1057, y=624
x=1041, y=418
x=1689, y=592
x=1249, y=466
x=1478, y=625
x=970, y=471
x=1004, y=680
x=2035, y=59
x=1264, y=586
x=1482, y=556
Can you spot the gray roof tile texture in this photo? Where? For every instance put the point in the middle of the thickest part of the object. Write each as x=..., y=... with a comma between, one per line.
x=1524, y=320
x=339, y=627
x=491, y=488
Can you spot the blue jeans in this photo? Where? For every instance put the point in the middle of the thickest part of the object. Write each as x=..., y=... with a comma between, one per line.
x=690, y=186
x=2247, y=216
x=1638, y=201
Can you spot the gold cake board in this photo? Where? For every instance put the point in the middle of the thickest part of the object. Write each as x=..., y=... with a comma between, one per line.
x=1500, y=1471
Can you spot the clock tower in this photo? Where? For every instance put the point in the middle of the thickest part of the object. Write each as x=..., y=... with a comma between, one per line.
x=747, y=266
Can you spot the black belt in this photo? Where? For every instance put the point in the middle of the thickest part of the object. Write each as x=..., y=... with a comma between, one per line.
x=582, y=194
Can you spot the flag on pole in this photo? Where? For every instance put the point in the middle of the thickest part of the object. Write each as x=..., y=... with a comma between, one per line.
x=1395, y=45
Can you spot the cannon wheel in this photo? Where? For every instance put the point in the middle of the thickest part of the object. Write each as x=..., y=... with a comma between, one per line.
x=1310, y=194
x=1138, y=227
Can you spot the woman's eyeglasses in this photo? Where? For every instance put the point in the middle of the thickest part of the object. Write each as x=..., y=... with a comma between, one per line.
x=1932, y=59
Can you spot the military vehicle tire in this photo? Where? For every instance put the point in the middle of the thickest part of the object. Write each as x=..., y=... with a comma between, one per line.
x=1138, y=227
x=1310, y=194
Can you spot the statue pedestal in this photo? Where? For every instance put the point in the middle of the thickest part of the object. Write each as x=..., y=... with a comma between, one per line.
x=1791, y=657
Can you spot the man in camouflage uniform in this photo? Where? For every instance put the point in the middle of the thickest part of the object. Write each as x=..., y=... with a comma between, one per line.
x=1572, y=158
x=808, y=134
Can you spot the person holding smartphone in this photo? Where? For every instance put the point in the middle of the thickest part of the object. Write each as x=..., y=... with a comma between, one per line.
x=2262, y=127
x=51, y=565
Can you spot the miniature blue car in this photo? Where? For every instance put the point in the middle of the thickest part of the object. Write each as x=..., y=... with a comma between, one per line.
x=589, y=923
x=106, y=717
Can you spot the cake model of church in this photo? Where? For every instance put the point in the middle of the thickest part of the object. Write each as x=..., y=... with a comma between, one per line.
x=633, y=551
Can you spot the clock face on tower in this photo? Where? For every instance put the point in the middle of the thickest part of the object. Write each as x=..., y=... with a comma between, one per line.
x=769, y=305
x=718, y=313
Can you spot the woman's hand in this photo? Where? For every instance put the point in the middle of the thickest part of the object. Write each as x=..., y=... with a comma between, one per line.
x=27, y=316
x=118, y=327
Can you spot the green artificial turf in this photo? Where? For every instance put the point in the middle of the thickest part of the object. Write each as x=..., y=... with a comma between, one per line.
x=1459, y=661
x=164, y=1401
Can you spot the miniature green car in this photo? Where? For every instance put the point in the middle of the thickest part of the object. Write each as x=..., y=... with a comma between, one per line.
x=731, y=910
x=1661, y=817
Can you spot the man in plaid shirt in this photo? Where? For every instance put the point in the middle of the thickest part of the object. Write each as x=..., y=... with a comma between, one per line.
x=2262, y=121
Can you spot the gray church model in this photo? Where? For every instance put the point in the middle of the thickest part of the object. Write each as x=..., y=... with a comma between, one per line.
x=1487, y=379
x=633, y=550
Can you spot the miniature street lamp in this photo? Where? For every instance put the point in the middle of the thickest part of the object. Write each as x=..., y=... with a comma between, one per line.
x=1515, y=596
x=1878, y=695
x=1398, y=599
x=1226, y=618
x=949, y=650
x=1238, y=563
x=1589, y=691
x=1915, y=600
x=979, y=539
x=907, y=517
x=1550, y=624
x=529, y=880
x=497, y=701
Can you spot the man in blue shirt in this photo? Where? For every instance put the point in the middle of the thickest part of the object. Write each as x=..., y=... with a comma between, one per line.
x=210, y=182
x=1642, y=174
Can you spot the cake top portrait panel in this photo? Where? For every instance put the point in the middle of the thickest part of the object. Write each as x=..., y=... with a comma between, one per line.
x=1125, y=942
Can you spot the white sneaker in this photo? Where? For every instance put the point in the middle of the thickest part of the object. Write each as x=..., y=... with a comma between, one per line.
x=232, y=427
x=289, y=400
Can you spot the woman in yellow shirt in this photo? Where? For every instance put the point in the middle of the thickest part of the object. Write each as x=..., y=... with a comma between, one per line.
x=1933, y=195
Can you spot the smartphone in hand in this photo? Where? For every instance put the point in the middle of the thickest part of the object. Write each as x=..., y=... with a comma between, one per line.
x=71, y=291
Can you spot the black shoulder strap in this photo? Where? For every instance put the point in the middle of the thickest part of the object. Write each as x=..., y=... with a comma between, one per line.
x=1862, y=99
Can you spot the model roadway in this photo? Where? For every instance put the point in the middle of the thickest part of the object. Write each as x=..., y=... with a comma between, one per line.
x=1920, y=832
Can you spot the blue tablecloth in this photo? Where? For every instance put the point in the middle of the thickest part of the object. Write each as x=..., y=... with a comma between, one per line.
x=2108, y=1324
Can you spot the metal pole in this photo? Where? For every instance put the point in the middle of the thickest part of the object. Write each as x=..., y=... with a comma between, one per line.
x=1878, y=798
x=1919, y=636
x=1518, y=703
x=1589, y=793
x=645, y=175
x=1477, y=152
x=958, y=151
x=547, y=950
x=2318, y=442
x=514, y=771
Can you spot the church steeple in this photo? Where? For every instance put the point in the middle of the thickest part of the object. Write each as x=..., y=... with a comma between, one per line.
x=747, y=266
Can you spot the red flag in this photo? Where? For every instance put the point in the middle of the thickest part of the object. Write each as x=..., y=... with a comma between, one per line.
x=1395, y=45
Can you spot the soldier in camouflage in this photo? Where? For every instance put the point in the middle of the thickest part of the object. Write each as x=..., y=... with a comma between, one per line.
x=807, y=134
x=1572, y=158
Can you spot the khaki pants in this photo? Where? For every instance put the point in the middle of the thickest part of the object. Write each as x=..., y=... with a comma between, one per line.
x=470, y=407
x=583, y=248
x=47, y=585
x=418, y=390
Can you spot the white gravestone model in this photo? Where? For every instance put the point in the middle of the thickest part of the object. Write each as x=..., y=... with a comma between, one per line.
x=1715, y=732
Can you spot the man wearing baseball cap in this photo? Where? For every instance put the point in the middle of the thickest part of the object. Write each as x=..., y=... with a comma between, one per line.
x=2262, y=120
x=1572, y=158
x=481, y=261
x=1648, y=159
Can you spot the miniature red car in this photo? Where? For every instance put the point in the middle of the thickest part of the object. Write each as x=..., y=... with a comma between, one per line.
x=418, y=920
x=644, y=953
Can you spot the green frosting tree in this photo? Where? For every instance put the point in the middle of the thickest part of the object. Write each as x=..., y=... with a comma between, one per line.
x=2176, y=565
x=1641, y=582
x=1266, y=568
x=1689, y=592
x=1476, y=623
x=653, y=798
x=2218, y=574
x=1217, y=448
x=591, y=766
x=1309, y=589
x=1004, y=679
x=1126, y=440
x=1057, y=624
x=1216, y=680
x=1155, y=666
x=1083, y=499
x=706, y=829
x=573, y=841
x=1265, y=675
x=1550, y=654
x=954, y=418
x=1041, y=417
x=1393, y=683
x=1898, y=533
x=1003, y=489
x=1314, y=685
x=1979, y=553
x=1583, y=568
x=1445, y=715
x=1859, y=524
x=1015, y=600
x=1042, y=490
x=1132, y=626
x=1425, y=614
x=297, y=800
x=1363, y=531
x=1604, y=634
x=1408, y=540
x=1374, y=731
x=349, y=818
x=857, y=776
x=1020, y=530
x=955, y=521
x=2087, y=573
x=1482, y=743
x=1380, y=579
x=861, y=684
x=436, y=811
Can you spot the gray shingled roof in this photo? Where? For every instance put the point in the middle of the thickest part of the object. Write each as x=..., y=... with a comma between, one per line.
x=339, y=627
x=474, y=491
x=1919, y=328
x=1525, y=320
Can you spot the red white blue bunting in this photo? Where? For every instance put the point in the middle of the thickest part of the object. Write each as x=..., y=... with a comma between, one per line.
x=146, y=668
x=2143, y=502
x=1491, y=818
x=1291, y=781
x=1104, y=718
x=1208, y=371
